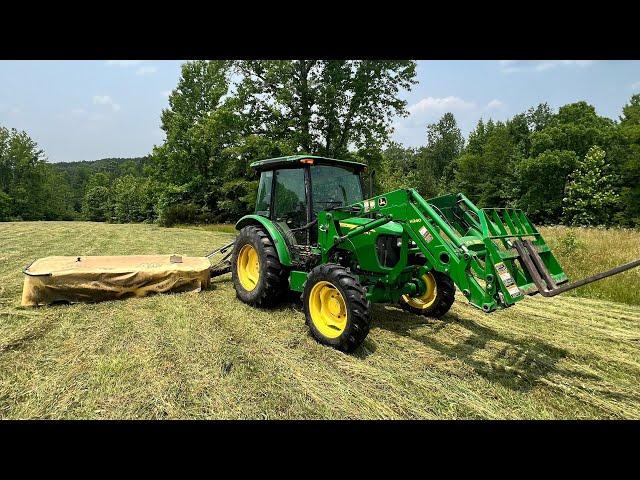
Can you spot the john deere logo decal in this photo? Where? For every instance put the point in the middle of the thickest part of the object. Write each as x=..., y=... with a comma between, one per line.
x=382, y=202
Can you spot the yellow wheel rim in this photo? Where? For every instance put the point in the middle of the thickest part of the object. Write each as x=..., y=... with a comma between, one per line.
x=248, y=266
x=424, y=301
x=327, y=309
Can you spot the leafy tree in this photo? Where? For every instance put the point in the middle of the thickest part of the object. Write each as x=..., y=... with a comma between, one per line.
x=489, y=177
x=542, y=181
x=478, y=138
x=444, y=145
x=97, y=204
x=590, y=194
x=539, y=118
x=31, y=189
x=630, y=170
x=325, y=106
x=56, y=190
x=196, y=122
x=277, y=108
x=576, y=127
x=399, y=169
x=5, y=207
x=239, y=185
x=519, y=131
x=134, y=199
x=203, y=125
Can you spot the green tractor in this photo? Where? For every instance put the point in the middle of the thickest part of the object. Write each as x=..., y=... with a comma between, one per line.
x=314, y=232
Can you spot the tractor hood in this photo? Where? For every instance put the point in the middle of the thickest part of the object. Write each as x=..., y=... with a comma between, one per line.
x=391, y=228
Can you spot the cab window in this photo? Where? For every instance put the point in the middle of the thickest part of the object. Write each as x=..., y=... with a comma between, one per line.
x=290, y=202
x=263, y=202
x=334, y=187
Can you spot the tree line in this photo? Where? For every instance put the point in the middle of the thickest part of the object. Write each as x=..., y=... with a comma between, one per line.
x=571, y=166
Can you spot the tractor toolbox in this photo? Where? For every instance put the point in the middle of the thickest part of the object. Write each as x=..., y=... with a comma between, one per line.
x=97, y=278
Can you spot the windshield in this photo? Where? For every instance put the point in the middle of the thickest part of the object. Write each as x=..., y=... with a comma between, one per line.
x=334, y=187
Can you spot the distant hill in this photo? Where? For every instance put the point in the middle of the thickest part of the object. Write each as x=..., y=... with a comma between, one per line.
x=79, y=173
x=110, y=165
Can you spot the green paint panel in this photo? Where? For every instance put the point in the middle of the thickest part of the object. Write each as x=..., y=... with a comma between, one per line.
x=274, y=233
x=296, y=280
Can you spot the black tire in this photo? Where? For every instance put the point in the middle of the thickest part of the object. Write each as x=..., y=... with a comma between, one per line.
x=358, y=308
x=272, y=282
x=445, y=296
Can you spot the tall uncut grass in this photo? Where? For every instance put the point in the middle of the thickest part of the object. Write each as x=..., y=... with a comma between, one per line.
x=586, y=251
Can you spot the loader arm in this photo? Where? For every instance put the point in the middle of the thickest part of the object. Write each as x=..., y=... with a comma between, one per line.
x=494, y=256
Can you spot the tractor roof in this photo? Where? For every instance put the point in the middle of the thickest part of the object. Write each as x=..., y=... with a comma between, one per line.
x=297, y=160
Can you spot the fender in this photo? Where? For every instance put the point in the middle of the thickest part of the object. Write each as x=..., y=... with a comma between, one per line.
x=273, y=232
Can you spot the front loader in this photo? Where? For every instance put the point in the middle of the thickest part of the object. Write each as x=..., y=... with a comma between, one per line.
x=313, y=232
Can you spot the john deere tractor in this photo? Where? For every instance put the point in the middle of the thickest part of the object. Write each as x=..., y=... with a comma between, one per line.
x=314, y=232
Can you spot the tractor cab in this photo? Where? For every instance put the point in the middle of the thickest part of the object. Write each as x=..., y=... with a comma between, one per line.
x=293, y=190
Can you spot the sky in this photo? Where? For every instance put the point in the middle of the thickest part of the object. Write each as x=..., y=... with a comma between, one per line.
x=87, y=110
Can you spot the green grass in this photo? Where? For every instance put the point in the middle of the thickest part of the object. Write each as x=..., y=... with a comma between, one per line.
x=583, y=252
x=215, y=227
x=207, y=355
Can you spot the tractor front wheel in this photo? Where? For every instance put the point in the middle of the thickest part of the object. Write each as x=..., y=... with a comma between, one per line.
x=336, y=307
x=436, y=300
x=258, y=276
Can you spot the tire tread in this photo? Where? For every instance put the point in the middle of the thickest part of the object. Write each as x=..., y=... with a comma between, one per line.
x=273, y=284
x=359, y=308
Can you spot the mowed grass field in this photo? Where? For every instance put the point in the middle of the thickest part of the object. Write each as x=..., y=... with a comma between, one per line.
x=207, y=355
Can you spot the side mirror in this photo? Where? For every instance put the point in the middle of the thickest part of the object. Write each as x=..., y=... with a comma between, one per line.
x=371, y=180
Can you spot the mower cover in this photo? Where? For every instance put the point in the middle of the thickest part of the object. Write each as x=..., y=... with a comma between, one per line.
x=94, y=279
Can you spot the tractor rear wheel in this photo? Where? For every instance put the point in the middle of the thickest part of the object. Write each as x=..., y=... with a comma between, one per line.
x=336, y=307
x=258, y=276
x=436, y=301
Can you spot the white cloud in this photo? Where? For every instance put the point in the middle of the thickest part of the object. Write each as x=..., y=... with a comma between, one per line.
x=165, y=93
x=512, y=66
x=146, y=70
x=438, y=105
x=106, y=100
x=430, y=109
x=411, y=130
x=635, y=86
x=123, y=63
x=494, y=104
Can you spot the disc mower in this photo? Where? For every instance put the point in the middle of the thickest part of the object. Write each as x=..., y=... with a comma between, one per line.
x=314, y=232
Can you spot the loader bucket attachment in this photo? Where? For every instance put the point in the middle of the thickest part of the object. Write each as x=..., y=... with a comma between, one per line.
x=498, y=240
x=507, y=239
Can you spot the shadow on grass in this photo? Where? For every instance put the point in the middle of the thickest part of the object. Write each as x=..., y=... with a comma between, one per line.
x=516, y=363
